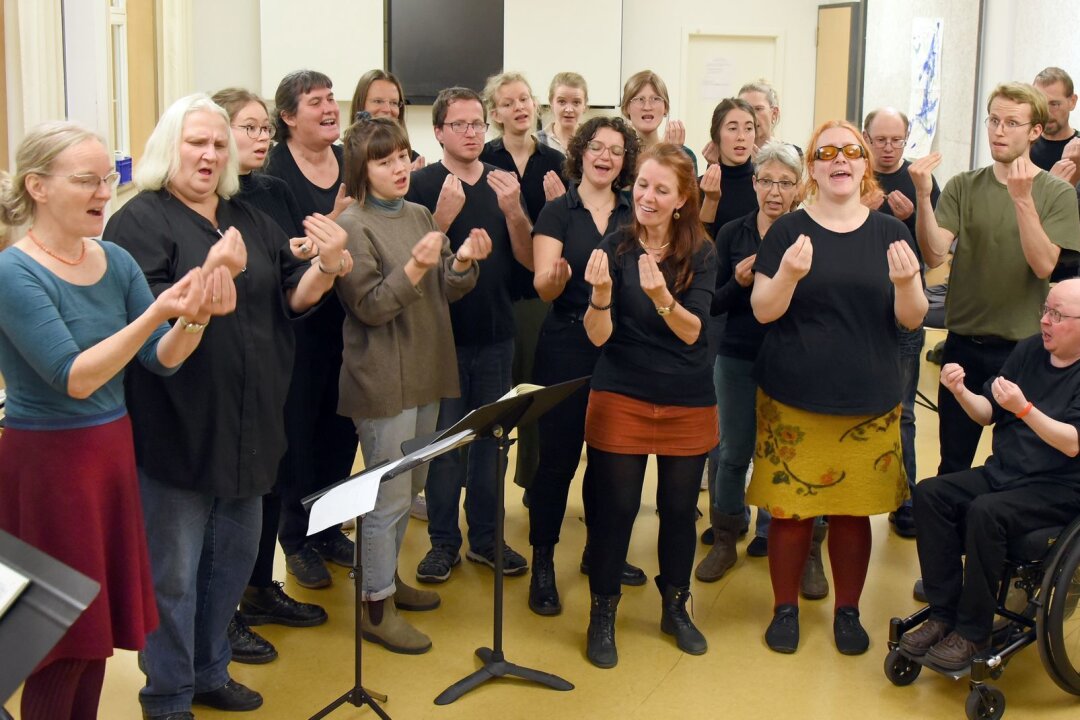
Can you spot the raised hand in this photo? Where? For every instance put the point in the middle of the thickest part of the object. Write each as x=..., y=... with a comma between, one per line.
x=419, y=163
x=1020, y=178
x=711, y=153
x=903, y=264
x=798, y=258
x=341, y=202
x=710, y=182
x=1008, y=394
x=652, y=280
x=451, y=200
x=560, y=272
x=744, y=271
x=952, y=377
x=229, y=251
x=873, y=199
x=183, y=298
x=427, y=252
x=507, y=190
x=328, y=238
x=302, y=248
x=476, y=247
x=675, y=132
x=901, y=206
x=1064, y=169
x=553, y=186
x=922, y=173
x=597, y=275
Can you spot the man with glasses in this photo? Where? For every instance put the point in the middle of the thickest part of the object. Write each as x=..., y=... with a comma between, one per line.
x=1010, y=221
x=886, y=130
x=1056, y=142
x=1027, y=484
x=467, y=197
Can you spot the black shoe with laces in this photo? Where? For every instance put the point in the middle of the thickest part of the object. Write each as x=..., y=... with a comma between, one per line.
x=851, y=638
x=272, y=605
x=231, y=697
x=437, y=564
x=308, y=568
x=543, y=593
x=248, y=646
x=782, y=635
x=338, y=550
x=513, y=561
x=903, y=521
x=631, y=575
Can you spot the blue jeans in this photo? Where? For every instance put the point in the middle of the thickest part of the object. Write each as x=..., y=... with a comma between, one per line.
x=909, y=383
x=484, y=374
x=736, y=399
x=202, y=549
x=384, y=527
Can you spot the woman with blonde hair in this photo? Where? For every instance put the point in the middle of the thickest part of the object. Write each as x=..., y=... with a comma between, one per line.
x=835, y=280
x=646, y=103
x=568, y=98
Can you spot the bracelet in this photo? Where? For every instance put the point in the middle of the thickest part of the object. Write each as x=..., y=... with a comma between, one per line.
x=191, y=327
x=341, y=267
x=453, y=259
x=1027, y=409
x=594, y=306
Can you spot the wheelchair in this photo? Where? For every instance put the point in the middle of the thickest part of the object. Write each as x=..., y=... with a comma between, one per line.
x=1045, y=567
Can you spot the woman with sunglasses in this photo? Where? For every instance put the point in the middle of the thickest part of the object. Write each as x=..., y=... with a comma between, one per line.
x=602, y=157
x=645, y=103
x=835, y=280
x=379, y=93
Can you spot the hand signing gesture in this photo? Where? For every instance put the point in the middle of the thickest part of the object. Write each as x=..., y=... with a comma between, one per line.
x=1064, y=169
x=476, y=247
x=675, y=132
x=922, y=173
x=744, y=271
x=711, y=153
x=507, y=190
x=427, y=251
x=903, y=264
x=952, y=377
x=341, y=202
x=183, y=298
x=451, y=200
x=560, y=272
x=597, y=275
x=652, y=280
x=328, y=238
x=797, y=258
x=901, y=207
x=229, y=251
x=1008, y=394
x=1020, y=178
x=710, y=182
x=553, y=186
x=873, y=199
x=419, y=163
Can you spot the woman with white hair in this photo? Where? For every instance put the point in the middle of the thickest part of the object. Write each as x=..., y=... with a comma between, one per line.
x=208, y=440
x=73, y=313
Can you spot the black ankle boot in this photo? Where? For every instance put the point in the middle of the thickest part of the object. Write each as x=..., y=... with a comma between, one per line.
x=674, y=619
x=631, y=574
x=543, y=595
x=601, y=649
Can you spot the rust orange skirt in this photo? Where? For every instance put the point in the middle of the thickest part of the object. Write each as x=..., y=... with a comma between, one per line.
x=621, y=424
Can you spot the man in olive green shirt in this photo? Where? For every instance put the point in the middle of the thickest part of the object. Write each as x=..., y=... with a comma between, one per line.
x=1010, y=221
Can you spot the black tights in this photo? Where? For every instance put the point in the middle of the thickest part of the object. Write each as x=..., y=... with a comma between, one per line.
x=615, y=496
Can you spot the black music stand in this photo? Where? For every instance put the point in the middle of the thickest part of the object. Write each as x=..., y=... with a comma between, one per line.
x=55, y=598
x=495, y=421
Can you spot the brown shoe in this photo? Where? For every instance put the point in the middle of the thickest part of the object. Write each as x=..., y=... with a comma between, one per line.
x=916, y=642
x=814, y=584
x=955, y=652
x=722, y=554
x=382, y=624
x=407, y=597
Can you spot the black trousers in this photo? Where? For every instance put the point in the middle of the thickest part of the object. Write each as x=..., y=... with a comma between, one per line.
x=563, y=353
x=958, y=435
x=965, y=513
x=616, y=495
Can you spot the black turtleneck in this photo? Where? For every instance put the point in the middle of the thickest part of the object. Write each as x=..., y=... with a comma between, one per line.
x=737, y=196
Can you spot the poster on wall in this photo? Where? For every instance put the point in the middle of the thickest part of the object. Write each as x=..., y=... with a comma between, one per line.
x=925, y=103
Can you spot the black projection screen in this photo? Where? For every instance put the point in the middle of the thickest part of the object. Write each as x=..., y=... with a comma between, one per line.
x=435, y=44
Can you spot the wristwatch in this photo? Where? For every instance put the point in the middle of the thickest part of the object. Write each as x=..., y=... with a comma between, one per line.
x=189, y=326
x=662, y=310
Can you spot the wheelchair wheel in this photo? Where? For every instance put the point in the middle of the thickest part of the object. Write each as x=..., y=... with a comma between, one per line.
x=985, y=702
x=901, y=670
x=1058, y=618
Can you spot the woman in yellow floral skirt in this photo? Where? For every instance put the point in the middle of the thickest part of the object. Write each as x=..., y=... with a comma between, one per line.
x=834, y=279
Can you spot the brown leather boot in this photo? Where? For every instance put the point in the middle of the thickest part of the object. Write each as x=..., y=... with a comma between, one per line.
x=407, y=597
x=382, y=624
x=815, y=585
x=722, y=555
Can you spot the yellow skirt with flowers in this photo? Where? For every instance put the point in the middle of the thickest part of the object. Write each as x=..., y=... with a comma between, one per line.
x=808, y=464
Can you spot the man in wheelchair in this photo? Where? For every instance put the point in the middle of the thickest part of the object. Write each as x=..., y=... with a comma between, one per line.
x=1031, y=481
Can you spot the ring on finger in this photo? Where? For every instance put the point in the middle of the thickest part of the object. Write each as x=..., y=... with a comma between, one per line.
x=215, y=298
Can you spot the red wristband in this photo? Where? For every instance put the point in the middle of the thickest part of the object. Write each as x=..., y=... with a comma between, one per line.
x=1026, y=410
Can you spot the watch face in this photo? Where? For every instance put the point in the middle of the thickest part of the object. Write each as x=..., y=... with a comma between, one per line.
x=663, y=311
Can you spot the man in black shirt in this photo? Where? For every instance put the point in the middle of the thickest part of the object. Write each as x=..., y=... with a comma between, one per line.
x=467, y=196
x=1057, y=139
x=886, y=130
x=1031, y=481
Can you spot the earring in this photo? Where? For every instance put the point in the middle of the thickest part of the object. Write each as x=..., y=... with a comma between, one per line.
x=676, y=215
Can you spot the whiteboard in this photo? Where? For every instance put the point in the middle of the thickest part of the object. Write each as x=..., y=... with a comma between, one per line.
x=542, y=39
x=340, y=38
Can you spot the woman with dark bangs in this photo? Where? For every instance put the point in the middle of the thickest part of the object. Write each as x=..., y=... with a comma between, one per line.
x=601, y=161
x=397, y=320
x=652, y=392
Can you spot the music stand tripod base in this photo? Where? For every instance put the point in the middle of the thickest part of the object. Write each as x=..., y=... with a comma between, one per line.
x=496, y=666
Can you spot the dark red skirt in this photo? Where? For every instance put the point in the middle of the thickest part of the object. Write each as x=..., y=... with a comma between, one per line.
x=74, y=494
x=618, y=423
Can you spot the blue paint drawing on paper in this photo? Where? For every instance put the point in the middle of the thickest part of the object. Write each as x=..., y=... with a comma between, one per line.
x=925, y=101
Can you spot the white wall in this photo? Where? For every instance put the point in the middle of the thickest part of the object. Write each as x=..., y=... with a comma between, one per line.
x=887, y=80
x=226, y=50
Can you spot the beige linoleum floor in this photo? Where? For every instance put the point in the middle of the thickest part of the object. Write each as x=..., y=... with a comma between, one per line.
x=738, y=678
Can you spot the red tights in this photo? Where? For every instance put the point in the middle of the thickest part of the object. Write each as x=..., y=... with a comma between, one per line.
x=64, y=689
x=849, y=554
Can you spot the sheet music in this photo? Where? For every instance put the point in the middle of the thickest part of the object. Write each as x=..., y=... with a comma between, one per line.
x=12, y=583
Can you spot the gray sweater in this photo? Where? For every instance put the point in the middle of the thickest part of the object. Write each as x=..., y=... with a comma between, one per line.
x=399, y=346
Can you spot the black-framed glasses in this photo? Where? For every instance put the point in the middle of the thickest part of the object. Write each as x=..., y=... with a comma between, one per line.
x=255, y=131
x=461, y=127
x=598, y=147
x=767, y=184
x=853, y=151
x=1054, y=315
x=884, y=142
x=993, y=123
x=89, y=181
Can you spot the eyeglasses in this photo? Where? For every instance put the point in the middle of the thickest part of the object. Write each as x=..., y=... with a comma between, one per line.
x=1054, y=315
x=598, y=147
x=993, y=123
x=255, y=131
x=853, y=151
x=89, y=181
x=883, y=142
x=642, y=100
x=385, y=103
x=461, y=127
x=767, y=184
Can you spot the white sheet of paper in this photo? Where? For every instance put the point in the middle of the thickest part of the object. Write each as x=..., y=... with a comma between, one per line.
x=348, y=500
x=12, y=583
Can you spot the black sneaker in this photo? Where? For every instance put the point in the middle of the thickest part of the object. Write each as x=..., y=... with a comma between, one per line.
x=903, y=521
x=437, y=564
x=248, y=646
x=308, y=567
x=851, y=638
x=338, y=550
x=782, y=635
x=758, y=547
x=231, y=697
x=513, y=562
x=272, y=605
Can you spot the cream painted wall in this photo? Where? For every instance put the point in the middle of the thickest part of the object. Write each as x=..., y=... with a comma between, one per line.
x=887, y=80
x=226, y=46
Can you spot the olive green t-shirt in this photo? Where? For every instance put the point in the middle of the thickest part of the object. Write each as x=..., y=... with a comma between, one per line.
x=992, y=289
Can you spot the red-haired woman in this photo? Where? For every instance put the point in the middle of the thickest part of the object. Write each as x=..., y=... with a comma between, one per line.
x=652, y=393
x=828, y=407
